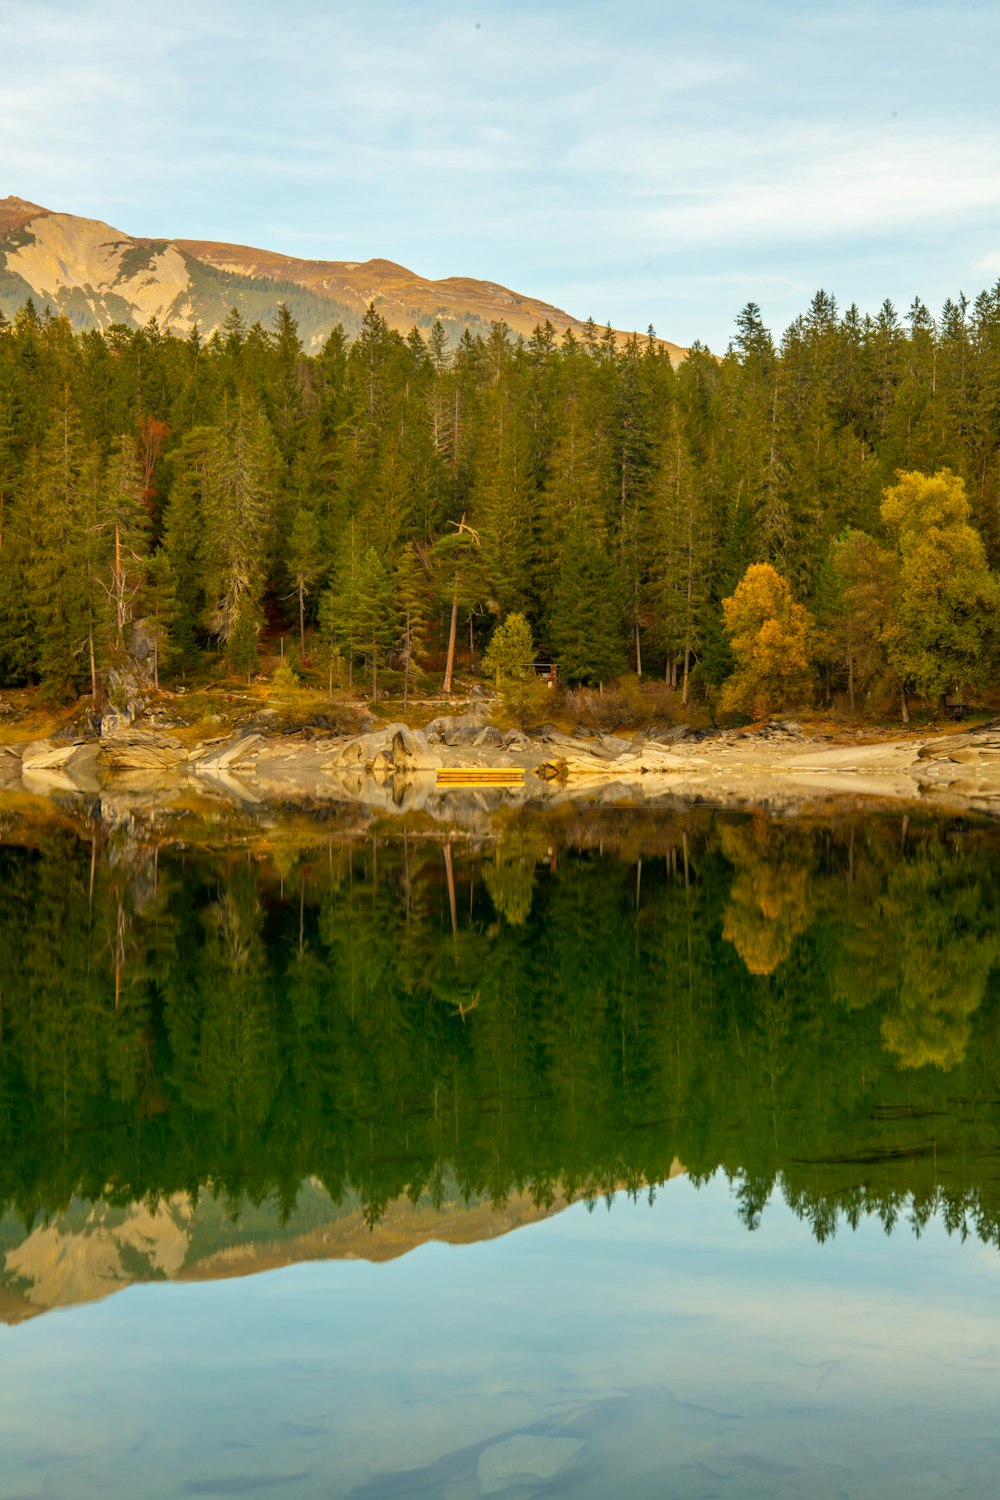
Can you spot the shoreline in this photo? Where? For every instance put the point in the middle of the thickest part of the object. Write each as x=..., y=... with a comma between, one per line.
x=393, y=769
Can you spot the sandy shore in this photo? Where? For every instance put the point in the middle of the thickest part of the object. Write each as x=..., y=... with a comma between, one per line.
x=393, y=769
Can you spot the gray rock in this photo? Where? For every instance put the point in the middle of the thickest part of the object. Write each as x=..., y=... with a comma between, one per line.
x=456, y=724
x=490, y=736
x=125, y=700
x=220, y=758
x=411, y=751
x=45, y=755
x=351, y=754
x=138, y=750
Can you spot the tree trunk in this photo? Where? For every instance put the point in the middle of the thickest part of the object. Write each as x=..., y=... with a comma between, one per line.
x=850, y=680
x=406, y=661
x=687, y=660
x=450, y=663
x=374, y=672
x=302, y=618
x=638, y=652
x=119, y=591
x=93, y=667
x=903, y=703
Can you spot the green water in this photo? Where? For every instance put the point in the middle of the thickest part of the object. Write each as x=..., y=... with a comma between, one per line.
x=312, y=1047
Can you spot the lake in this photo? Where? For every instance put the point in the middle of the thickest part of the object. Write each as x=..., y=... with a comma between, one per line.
x=590, y=1153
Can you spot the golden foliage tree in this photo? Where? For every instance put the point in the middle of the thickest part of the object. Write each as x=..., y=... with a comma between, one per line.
x=769, y=637
x=943, y=632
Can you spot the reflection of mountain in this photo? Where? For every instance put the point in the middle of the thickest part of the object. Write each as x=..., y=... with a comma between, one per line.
x=93, y=1250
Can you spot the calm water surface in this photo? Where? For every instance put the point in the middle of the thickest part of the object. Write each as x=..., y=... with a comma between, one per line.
x=631, y=1156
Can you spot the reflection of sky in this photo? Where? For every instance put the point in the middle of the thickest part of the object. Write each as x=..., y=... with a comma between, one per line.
x=689, y=1358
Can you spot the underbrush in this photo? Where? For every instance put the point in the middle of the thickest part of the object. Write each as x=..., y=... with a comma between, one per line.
x=631, y=702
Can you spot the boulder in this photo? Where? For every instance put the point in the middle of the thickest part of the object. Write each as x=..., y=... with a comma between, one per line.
x=221, y=758
x=488, y=738
x=350, y=755
x=412, y=752
x=44, y=755
x=457, y=729
x=138, y=750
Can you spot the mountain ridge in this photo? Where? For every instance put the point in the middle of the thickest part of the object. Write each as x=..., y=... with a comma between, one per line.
x=97, y=275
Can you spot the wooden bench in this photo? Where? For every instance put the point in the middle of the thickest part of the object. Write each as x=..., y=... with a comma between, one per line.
x=480, y=776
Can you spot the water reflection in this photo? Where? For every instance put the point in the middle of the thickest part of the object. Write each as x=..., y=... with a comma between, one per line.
x=570, y=1008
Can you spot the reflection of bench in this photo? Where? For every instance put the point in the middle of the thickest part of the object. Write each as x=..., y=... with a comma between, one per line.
x=479, y=776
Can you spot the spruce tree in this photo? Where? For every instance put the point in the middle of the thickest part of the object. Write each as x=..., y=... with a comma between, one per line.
x=585, y=624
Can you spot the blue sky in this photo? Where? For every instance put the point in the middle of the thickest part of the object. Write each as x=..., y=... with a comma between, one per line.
x=644, y=162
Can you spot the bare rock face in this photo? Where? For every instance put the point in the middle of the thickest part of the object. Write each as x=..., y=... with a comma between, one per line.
x=138, y=750
x=125, y=701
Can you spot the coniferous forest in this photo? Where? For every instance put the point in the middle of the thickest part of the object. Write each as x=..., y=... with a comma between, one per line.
x=371, y=500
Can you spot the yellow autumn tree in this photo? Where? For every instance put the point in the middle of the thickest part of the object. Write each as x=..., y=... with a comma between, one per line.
x=943, y=635
x=769, y=637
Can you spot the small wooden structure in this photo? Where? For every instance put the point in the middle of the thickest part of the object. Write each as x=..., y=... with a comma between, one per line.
x=467, y=776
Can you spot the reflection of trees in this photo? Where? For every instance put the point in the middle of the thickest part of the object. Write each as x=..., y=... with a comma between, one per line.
x=353, y=1016
x=510, y=872
x=946, y=942
x=768, y=906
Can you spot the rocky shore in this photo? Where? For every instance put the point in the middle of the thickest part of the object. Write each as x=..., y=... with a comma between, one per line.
x=395, y=768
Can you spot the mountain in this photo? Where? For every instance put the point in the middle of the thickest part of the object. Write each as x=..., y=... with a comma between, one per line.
x=96, y=275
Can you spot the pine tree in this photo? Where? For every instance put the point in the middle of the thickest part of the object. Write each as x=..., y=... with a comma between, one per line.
x=411, y=586
x=305, y=563
x=240, y=490
x=60, y=501
x=585, y=624
x=375, y=612
x=124, y=524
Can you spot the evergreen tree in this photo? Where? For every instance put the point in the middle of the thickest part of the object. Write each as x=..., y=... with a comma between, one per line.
x=585, y=625
x=375, y=612
x=411, y=586
x=305, y=563
x=239, y=498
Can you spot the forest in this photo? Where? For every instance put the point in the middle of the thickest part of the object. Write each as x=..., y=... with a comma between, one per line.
x=816, y=518
x=809, y=1005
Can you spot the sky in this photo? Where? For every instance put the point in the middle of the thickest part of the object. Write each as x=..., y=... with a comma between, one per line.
x=648, y=162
